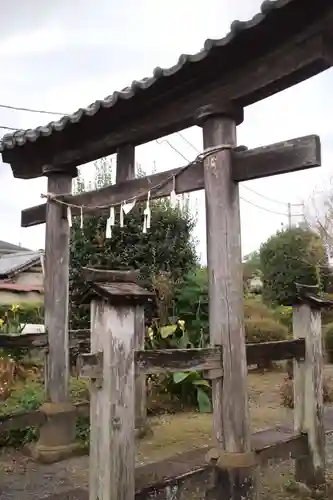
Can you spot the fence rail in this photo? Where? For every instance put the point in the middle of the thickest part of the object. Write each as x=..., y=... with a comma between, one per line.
x=175, y=359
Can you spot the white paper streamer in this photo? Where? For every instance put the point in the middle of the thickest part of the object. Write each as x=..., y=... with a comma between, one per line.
x=109, y=223
x=146, y=215
x=69, y=216
x=121, y=216
x=127, y=207
x=81, y=218
x=173, y=196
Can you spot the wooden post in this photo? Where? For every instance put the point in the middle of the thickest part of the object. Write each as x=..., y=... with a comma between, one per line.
x=235, y=460
x=125, y=163
x=141, y=424
x=112, y=440
x=57, y=435
x=126, y=171
x=111, y=370
x=308, y=388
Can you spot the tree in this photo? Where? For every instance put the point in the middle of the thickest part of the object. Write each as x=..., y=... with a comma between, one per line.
x=167, y=248
x=319, y=215
x=292, y=256
x=251, y=269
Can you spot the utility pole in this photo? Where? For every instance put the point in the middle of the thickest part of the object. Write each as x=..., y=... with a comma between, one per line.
x=289, y=215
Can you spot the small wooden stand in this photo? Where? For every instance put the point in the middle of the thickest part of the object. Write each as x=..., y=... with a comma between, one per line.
x=308, y=385
x=115, y=308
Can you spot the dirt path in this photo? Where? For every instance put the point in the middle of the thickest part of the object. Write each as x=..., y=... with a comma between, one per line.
x=22, y=479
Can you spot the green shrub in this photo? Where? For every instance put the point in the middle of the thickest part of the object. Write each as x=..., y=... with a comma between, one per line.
x=191, y=304
x=11, y=319
x=254, y=308
x=284, y=315
x=264, y=330
x=292, y=256
x=188, y=388
x=24, y=397
x=29, y=312
x=29, y=396
x=328, y=339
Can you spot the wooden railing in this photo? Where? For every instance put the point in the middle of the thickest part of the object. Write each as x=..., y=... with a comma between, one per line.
x=208, y=360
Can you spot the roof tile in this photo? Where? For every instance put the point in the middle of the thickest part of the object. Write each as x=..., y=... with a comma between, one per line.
x=21, y=137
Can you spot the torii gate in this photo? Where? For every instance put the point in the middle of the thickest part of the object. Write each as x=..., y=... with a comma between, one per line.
x=286, y=43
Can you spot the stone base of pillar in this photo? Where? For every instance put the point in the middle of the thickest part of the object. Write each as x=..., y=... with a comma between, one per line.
x=143, y=431
x=56, y=435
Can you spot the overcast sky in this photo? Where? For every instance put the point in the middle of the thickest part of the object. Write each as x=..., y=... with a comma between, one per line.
x=63, y=55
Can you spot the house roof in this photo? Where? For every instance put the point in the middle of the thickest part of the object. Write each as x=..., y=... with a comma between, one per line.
x=14, y=287
x=13, y=263
x=275, y=24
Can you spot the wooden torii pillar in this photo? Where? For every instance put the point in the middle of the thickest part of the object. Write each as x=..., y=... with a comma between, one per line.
x=233, y=459
x=57, y=435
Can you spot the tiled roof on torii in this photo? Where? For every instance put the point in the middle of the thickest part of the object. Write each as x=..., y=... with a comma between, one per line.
x=277, y=22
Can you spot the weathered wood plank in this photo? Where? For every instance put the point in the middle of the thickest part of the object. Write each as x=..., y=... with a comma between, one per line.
x=112, y=407
x=140, y=378
x=275, y=351
x=77, y=339
x=33, y=418
x=175, y=360
x=275, y=159
x=125, y=169
x=56, y=286
x=21, y=420
x=231, y=422
x=25, y=341
x=57, y=435
x=108, y=276
x=279, y=158
x=308, y=394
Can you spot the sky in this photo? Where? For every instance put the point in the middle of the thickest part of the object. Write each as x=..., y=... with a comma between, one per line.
x=60, y=56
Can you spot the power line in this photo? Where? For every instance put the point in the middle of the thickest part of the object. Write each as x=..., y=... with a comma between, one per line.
x=188, y=142
x=272, y=199
x=245, y=187
x=160, y=141
x=9, y=128
x=285, y=214
x=31, y=110
x=244, y=199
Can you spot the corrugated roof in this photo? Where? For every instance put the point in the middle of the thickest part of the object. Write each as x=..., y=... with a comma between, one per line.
x=237, y=29
x=13, y=263
x=5, y=245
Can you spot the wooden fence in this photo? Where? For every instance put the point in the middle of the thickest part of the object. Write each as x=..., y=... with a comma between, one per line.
x=113, y=366
x=147, y=362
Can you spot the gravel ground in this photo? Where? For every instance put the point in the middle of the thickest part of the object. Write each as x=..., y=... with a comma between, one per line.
x=22, y=479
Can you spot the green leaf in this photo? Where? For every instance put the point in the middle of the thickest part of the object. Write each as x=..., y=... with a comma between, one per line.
x=167, y=331
x=202, y=383
x=179, y=377
x=184, y=341
x=204, y=403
